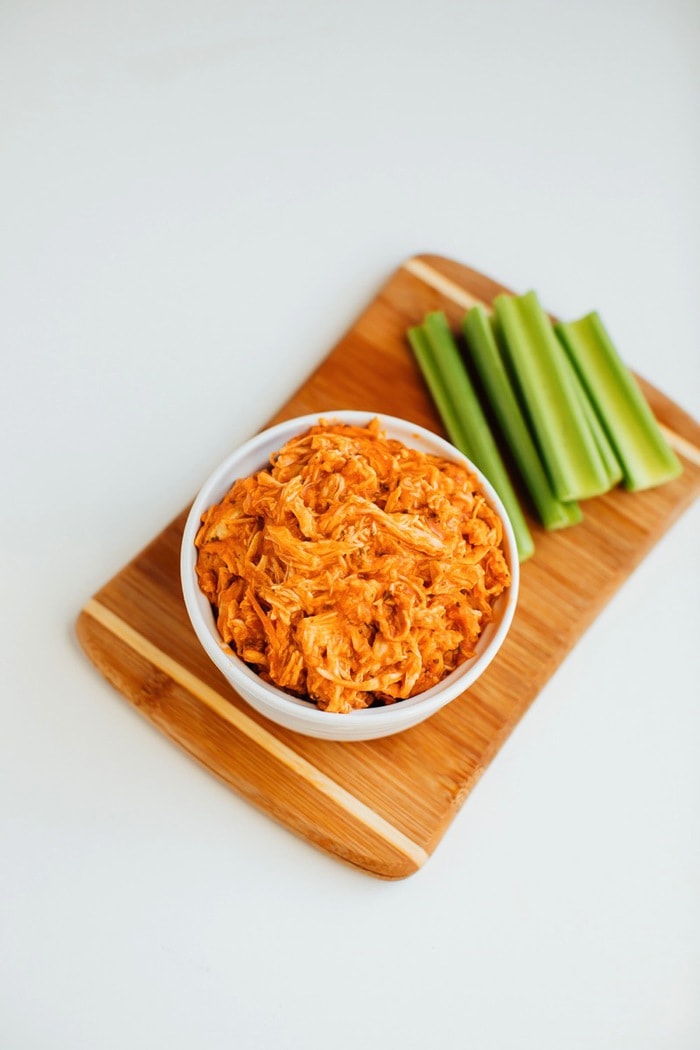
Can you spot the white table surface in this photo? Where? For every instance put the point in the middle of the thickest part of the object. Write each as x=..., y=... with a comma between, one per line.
x=197, y=200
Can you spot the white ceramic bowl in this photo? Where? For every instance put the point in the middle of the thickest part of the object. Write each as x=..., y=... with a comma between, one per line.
x=281, y=707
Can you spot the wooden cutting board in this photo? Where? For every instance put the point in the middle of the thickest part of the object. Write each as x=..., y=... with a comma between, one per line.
x=384, y=805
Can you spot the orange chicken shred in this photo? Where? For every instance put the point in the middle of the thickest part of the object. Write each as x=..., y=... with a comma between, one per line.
x=354, y=571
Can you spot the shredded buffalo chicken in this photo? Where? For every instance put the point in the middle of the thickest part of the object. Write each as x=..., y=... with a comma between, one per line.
x=354, y=571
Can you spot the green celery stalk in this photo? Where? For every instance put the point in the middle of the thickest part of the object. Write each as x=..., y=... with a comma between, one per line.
x=646, y=457
x=462, y=416
x=567, y=446
x=428, y=366
x=612, y=465
x=486, y=354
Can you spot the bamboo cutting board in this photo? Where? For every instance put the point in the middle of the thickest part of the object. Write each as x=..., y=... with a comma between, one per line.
x=382, y=805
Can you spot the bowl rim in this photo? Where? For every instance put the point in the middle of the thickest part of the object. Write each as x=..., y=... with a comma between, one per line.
x=274, y=699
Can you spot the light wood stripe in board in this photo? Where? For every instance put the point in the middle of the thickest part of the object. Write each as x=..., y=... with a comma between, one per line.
x=434, y=279
x=263, y=737
x=681, y=445
x=452, y=291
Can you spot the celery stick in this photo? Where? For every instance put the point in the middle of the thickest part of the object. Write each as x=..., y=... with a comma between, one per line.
x=566, y=444
x=428, y=366
x=487, y=357
x=463, y=417
x=646, y=457
x=611, y=463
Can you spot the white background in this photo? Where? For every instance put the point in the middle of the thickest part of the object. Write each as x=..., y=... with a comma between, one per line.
x=197, y=200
